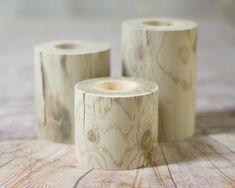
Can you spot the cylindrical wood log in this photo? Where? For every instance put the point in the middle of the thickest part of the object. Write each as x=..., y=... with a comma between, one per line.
x=164, y=51
x=116, y=123
x=58, y=67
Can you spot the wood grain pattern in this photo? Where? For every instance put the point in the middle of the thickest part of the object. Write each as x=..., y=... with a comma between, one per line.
x=215, y=130
x=116, y=127
x=202, y=161
x=164, y=51
x=58, y=67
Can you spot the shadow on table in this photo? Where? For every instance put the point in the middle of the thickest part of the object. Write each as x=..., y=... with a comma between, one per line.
x=215, y=122
x=205, y=144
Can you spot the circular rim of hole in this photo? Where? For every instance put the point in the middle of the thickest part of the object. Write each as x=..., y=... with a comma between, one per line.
x=116, y=85
x=67, y=46
x=159, y=23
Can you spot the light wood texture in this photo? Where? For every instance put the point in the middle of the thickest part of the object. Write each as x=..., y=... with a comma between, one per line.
x=58, y=67
x=45, y=164
x=164, y=51
x=116, y=123
x=202, y=161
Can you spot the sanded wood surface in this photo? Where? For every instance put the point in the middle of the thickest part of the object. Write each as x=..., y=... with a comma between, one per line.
x=58, y=67
x=206, y=160
x=116, y=123
x=164, y=51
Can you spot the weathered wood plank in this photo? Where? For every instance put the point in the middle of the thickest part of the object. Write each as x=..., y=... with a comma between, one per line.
x=197, y=162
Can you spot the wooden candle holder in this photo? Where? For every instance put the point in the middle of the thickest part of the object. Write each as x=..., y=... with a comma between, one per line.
x=164, y=51
x=116, y=121
x=58, y=67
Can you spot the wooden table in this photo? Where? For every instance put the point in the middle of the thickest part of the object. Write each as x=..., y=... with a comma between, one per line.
x=205, y=160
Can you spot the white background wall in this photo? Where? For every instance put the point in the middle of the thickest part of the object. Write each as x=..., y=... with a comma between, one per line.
x=196, y=9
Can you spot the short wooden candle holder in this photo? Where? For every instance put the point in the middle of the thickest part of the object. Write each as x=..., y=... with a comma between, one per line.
x=116, y=122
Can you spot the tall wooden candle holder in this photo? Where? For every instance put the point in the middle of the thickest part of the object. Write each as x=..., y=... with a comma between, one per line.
x=164, y=51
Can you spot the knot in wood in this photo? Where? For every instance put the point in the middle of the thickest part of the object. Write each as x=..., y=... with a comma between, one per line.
x=146, y=140
x=93, y=135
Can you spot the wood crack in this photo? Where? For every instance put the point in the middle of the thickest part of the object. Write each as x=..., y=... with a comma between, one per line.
x=43, y=88
x=63, y=62
x=168, y=168
x=219, y=171
x=222, y=144
x=4, y=164
x=157, y=174
x=84, y=112
x=81, y=177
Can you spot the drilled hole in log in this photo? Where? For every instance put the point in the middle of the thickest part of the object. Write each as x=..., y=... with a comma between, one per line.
x=67, y=46
x=116, y=85
x=157, y=23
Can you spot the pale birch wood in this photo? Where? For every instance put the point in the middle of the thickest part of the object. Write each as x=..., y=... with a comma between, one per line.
x=164, y=51
x=58, y=67
x=116, y=123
